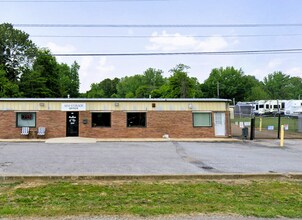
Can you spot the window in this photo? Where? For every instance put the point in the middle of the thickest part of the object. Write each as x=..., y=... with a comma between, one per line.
x=136, y=119
x=101, y=119
x=26, y=119
x=202, y=119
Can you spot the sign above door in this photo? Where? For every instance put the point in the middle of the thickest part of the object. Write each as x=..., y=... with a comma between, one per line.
x=73, y=107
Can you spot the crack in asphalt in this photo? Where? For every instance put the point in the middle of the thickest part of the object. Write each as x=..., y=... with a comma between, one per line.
x=198, y=163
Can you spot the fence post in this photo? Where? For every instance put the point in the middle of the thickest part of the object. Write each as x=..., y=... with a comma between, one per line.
x=279, y=124
x=252, y=136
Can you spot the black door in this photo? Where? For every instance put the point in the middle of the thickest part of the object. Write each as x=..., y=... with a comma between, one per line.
x=72, y=126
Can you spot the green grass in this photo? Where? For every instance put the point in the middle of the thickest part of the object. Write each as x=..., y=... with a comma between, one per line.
x=257, y=198
x=268, y=121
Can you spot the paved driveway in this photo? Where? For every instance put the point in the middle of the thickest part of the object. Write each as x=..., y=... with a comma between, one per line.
x=107, y=158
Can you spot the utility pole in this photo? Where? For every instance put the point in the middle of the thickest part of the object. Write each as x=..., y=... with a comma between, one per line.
x=217, y=89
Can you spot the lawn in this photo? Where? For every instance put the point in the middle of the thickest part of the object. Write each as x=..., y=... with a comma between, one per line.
x=250, y=198
x=272, y=121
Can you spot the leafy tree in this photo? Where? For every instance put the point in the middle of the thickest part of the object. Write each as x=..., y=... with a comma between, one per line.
x=33, y=85
x=46, y=65
x=295, y=87
x=43, y=80
x=8, y=89
x=128, y=85
x=104, y=89
x=277, y=85
x=151, y=79
x=181, y=85
x=95, y=91
x=109, y=87
x=69, y=80
x=16, y=51
x=257, y=93
x=226, y=83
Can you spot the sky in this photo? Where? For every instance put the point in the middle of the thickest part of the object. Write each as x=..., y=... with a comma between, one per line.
x=167, y=39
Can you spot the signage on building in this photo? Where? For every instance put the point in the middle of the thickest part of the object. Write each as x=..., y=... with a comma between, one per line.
x=73, y=106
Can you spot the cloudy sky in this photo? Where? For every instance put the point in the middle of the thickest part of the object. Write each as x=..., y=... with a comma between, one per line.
x=165, y=39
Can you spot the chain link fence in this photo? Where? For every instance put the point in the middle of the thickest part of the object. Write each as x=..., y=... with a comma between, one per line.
x=267, y=127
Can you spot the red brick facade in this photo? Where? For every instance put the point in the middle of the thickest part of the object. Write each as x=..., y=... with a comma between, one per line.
x=177, y=124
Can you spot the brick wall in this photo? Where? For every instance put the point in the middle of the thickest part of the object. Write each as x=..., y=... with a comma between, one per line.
x=177, y=124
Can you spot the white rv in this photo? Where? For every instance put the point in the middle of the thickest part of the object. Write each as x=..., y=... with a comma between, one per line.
x=275, y=105
x=293, y=107
x=269, y=107
x=259, y=107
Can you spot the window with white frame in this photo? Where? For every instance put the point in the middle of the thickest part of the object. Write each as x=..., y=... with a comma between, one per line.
x=26, y=119
x=202, y=119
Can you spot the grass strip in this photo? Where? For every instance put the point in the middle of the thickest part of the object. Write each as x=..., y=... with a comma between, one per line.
x=253, y=198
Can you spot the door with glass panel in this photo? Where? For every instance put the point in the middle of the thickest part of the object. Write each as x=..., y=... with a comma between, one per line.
x=219, y=123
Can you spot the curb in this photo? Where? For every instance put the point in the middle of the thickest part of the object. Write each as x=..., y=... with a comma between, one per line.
x=93, y=140
x=231, y=176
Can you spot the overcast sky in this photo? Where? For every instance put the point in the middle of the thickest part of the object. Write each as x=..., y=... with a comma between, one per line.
x=164, y=39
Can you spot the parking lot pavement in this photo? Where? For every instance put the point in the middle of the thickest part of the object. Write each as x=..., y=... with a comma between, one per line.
x=149, y=158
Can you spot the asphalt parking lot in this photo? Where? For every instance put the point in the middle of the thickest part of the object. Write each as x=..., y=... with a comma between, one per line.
x=149, y=158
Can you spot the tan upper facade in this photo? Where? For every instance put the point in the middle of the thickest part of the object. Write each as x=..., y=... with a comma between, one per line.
x=115, y=104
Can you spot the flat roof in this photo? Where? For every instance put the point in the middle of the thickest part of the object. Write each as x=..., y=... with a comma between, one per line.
x=113, y=100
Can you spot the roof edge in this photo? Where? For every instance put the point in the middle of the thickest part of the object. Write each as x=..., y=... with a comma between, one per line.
x=114, y=100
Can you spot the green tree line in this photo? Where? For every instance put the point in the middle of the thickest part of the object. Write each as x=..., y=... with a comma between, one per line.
x=29, y=71
x=228, y=83
x=32, y=72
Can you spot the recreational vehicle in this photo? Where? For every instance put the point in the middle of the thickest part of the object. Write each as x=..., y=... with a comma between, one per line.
x=293, y=108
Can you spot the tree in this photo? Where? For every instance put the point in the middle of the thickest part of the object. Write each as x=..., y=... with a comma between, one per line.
x=128, y=85
x=257, y=93
x=33, y=85
x=151, y=79
x=95, y=91
x=104, y=89
x=46, y=65
x=295, y=87
x=8, y=89
x=277, y=85
x=109, y=87
x=181, y=85
x=16, y=51
x=226, y=83
x=69, y=80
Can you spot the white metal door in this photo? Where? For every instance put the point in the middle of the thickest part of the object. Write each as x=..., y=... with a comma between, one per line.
x=219, y=123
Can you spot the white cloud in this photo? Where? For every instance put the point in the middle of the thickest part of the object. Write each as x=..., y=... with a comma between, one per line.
x=102, y=66
x=93, y=70
x=55, y=48
x=173, y=42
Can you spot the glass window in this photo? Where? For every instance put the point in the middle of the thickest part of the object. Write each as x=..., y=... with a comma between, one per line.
x=202, y=119
x=26, y=119
x=101, y=119
x=136, y=119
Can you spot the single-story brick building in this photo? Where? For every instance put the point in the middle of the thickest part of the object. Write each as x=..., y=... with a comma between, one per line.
x=116, y=118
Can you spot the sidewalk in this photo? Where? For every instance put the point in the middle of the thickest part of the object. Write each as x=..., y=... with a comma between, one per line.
x=73, y=140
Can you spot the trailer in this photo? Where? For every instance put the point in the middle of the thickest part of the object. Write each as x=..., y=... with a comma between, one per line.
x=259, y=107
x=244, y=109
x=269, y=107
x=293, y=108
